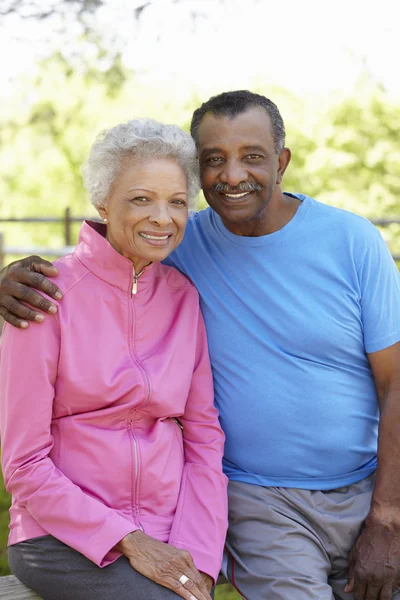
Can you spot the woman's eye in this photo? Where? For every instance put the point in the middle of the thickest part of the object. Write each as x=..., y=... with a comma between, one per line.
x=139, y=199
x=179, y=202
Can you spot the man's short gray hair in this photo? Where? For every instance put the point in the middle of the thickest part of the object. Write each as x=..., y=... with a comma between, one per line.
x=139, y=139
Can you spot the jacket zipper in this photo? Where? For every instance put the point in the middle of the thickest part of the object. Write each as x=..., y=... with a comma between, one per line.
x=135, y=280
x=134, y=439
x=144, y=373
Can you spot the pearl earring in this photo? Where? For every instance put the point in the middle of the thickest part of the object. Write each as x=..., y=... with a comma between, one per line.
x=105, y=220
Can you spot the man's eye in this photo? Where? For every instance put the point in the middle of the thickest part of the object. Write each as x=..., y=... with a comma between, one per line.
x=253, y=156
x=214, y=160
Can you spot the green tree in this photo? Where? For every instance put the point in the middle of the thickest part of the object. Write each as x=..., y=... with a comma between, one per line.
x=356, y=163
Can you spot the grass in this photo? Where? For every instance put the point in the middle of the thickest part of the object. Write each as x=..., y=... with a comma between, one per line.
x=226, y=592
x=4, y=504
x=223, y=592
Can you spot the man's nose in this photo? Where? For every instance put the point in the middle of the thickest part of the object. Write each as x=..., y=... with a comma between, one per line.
x=233, y=173
x=160, y=215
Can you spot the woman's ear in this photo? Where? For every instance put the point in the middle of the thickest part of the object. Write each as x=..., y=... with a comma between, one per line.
x=103, y=214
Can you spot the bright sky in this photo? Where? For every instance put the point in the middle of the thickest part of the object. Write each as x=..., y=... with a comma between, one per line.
x=307, y=46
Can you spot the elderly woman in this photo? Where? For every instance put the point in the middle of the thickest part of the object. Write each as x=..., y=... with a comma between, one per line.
x=111, y=444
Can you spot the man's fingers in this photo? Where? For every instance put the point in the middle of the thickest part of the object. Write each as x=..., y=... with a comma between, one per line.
x=45, y=267
x=34, y=279
x=386, y=592
x=19, y=292
x=15, y=307
x=360, y=589
x=349, y=586
x=13, y=320
x=32, y=298
x=35, y=263
x=373, y=591
x=350, y=576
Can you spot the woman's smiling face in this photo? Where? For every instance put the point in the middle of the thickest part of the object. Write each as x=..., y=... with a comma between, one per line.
x=147, y=210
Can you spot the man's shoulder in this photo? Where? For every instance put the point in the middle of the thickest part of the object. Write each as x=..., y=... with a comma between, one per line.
x=174, y=278
x=198, y=229
x=199, y=219
x=340, y=219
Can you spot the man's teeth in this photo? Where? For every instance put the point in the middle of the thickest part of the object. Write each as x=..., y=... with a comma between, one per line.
x=154, y=237
x=237, y=195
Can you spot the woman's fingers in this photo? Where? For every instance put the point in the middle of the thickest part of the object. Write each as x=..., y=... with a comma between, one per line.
x=194, y=582
x=165, y=564
x=189, y=590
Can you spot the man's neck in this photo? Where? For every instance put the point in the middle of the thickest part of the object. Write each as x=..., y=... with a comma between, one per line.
x=274, y=217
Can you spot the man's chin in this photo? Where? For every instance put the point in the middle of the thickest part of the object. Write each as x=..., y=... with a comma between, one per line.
x=236, y=214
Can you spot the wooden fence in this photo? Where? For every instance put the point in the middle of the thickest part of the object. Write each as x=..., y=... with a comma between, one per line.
x=68, y=220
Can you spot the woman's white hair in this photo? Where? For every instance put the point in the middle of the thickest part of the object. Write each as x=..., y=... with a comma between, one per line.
x=139, y=139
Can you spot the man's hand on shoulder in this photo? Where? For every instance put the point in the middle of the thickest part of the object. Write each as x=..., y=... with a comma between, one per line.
x=16, y=287
x=374, y=562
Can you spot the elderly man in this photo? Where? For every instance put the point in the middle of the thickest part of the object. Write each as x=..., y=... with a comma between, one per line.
x=301, y=303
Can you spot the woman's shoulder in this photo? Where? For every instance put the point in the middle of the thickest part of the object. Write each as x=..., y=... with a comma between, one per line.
x=70, y=272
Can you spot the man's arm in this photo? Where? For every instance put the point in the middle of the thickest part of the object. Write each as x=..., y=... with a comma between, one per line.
x=16, y=283
x=374, y=568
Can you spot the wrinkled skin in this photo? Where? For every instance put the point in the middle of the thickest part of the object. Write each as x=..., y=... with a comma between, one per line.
x=16, y=285
x=374, y=563
x=164, y=564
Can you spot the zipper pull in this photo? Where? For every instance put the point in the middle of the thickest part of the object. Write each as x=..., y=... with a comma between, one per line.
x=134, y=286
x=135, y=280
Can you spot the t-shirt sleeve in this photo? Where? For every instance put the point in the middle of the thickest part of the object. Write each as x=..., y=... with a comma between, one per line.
x=380, y=297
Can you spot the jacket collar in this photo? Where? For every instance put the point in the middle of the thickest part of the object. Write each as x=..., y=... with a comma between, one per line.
x=97, y=254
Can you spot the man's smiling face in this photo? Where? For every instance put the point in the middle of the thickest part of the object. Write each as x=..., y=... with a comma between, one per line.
x=239, y=165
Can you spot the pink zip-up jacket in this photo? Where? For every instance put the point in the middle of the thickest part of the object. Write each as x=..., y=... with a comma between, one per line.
x=91, y=406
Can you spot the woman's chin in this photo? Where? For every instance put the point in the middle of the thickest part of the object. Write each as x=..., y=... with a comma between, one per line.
x=156, y=251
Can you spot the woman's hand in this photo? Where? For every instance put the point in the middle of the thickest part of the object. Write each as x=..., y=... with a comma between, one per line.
x=209, y=581
x=165, y=564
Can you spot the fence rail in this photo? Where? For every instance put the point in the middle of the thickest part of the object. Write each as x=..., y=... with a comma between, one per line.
x=68, y=220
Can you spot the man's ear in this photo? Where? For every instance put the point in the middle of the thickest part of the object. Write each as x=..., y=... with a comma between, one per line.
x=283, y=161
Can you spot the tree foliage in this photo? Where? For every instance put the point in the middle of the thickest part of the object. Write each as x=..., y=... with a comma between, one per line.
x=346, y=154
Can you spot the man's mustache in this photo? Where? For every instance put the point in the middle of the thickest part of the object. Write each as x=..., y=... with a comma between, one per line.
x=244, y=186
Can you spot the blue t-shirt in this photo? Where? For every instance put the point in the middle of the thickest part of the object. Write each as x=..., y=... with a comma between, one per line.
x=290, y=317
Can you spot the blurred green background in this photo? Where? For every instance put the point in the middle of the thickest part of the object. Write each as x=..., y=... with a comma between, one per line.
x=70, y=68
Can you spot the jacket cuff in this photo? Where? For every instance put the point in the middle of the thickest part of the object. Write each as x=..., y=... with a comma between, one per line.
x=100, y=549
x=205, y=562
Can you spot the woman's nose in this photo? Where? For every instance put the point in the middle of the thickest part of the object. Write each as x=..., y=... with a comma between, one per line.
x=161, y=216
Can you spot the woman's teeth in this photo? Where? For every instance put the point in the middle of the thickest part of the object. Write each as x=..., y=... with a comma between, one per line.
x=154, y=237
